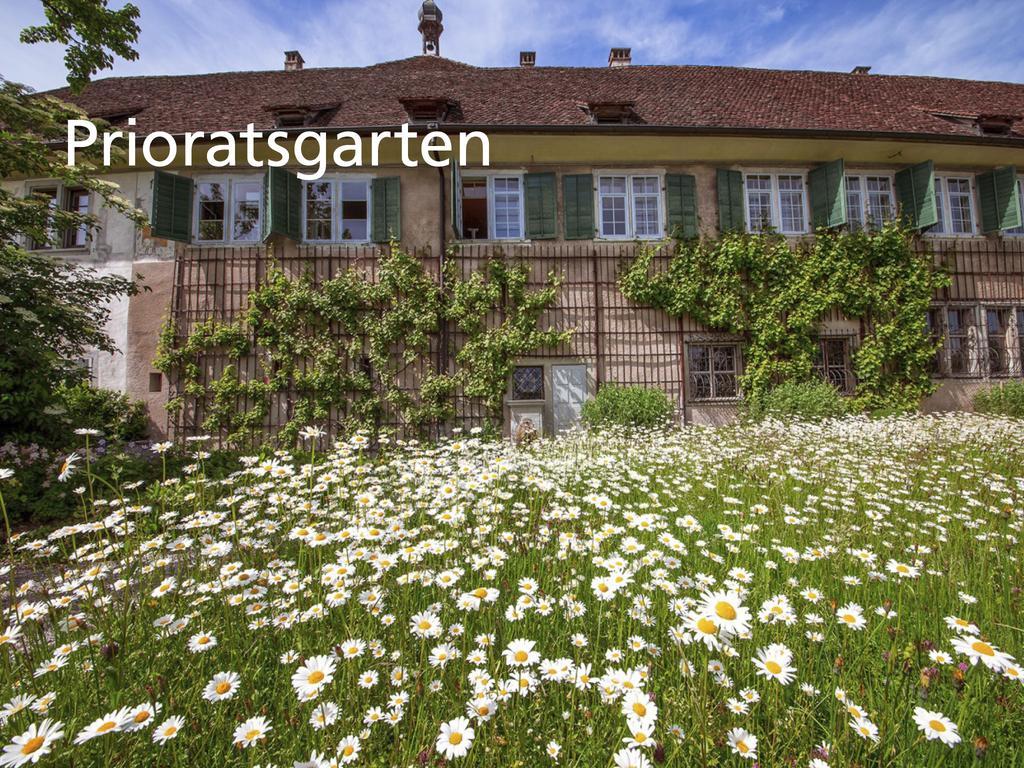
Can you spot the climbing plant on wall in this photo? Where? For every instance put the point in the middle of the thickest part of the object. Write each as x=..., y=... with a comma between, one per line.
x=485, y=360
x=774, y=295
x=351, y=349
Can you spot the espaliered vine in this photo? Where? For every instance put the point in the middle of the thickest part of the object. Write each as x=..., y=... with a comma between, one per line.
x=485, y=360
x=775, y=295
x=352, y=350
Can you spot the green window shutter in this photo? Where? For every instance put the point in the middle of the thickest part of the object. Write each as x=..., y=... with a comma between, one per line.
x=915, y=193
x=730, y=201
x=171, y=213
x=681, y=203
x=827, y=187
x=387, y=209
x=282, y=204
x=541, y=210
x=1000, y=199
x=457, y=201
x=578, y=202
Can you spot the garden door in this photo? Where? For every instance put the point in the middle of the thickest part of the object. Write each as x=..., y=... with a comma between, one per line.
x=568, y=392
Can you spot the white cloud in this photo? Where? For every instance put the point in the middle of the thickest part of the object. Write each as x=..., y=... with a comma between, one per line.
x=958, y=38
x=961, y=39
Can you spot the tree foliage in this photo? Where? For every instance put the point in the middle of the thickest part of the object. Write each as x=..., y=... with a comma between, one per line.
x=91, y=33
x=52, y=310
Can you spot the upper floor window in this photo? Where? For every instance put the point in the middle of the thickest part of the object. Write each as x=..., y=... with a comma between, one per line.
x=776, y=201
x=72, y=200
x=337, y=209
x=869, y=202
x=229, y=210
x=954, y=202
x=1020, y=197
x=492, y=208
x=630, y=206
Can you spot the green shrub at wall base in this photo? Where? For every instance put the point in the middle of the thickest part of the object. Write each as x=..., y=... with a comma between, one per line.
x=114, y=414
x=804, y=401
x=1006, y=399
x=616, y=405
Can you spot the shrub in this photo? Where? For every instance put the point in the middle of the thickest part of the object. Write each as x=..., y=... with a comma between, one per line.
x=805, y=401
x=628, y=407
x=1006, y=399
x=114, y=414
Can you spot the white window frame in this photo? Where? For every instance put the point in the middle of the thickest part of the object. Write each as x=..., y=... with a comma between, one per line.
x=490, y=176
x=862, y=177
x=776, y=199
x=629, y=175
x=942, y=198
x=1018, y=231
x=336, y=180
x=229, y=181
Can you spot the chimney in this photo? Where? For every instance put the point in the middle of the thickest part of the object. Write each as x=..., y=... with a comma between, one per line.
x=861, y=70
x=293, y=61
x=527, y=58
x=620, y=57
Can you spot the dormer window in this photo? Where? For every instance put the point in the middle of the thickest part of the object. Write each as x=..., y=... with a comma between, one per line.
x=612, y=112
x=429, y=109
x=996, y=125
x=291, y=117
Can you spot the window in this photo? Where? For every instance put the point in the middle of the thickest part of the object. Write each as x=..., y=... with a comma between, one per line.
x=997, y=324
x=337, y=209
x=776, y=202
x=229, y=210
x=933, y=325
x=791, y=203
x=355, y=209
x=492, y=208
x=319, y=211
x=832, y=363
x=759, y=203
x=1020, y=342
x=1020, y=197
x=869, y=202
x=508, y=207
x=70, y=200
x=528, y=382
x=474, y=209
x=630, y=206
x=88, y=366
x=646, y=206
x=612, y=190
x=245, y=213
x=960, y=340
x=211, y=197
x=76, y=201
x=955, y=205
x=713, y=371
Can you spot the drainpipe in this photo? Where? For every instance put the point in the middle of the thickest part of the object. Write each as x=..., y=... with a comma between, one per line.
x=442, y=353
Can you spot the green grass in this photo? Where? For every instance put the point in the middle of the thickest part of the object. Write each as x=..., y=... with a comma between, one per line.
x=765, y=512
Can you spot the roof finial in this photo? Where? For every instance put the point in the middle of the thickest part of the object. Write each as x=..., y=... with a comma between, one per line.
x=431, y=28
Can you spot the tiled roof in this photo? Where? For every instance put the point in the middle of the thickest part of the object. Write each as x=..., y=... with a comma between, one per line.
x=677, y=97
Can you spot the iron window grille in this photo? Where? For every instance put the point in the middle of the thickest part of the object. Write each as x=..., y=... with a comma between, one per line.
x=528, y=382
x=713, y=371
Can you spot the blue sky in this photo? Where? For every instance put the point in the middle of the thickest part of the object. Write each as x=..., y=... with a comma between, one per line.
x=930, y=37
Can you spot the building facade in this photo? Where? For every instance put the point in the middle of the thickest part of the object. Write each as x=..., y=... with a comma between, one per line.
x=586, y=165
